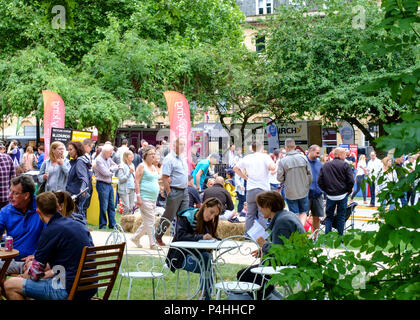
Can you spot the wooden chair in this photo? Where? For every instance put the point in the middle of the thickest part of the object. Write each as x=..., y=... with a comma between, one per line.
x=96, y=265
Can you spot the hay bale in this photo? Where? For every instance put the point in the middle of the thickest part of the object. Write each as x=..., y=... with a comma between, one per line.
x=127, y=222
x=226, y=229
x=130, y=223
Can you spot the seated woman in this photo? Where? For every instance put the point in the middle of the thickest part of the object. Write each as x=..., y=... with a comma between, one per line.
x=283, y=223
x=67, y=206
x=194, y=225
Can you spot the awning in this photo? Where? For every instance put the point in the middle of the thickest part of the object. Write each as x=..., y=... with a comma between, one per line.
x=214, y=130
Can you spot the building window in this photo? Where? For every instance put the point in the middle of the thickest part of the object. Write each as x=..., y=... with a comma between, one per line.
x=264, y=6
x=260, y=44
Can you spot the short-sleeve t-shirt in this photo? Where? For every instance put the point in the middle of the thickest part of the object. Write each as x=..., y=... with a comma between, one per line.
x=176, y=167
x=204, y=166
x=256, y=165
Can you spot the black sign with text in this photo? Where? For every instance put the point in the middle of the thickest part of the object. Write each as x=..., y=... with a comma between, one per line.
x=63, y=135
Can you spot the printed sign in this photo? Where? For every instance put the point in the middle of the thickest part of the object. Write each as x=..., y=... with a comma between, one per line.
x=81, y=135
x=63, y=135
x=298, y=131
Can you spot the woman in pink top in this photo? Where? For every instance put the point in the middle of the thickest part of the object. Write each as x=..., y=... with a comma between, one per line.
x=29, y=160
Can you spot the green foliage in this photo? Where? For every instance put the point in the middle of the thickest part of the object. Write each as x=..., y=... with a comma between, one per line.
x=114, y=58
x=318, y=62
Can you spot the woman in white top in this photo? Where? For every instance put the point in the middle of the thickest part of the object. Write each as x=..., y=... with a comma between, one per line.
x=125, y=175
x=388, y=177
x=360, y=177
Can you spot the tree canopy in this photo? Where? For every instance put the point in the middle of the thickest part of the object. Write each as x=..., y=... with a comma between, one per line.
x=113, y=59
x=321, y=59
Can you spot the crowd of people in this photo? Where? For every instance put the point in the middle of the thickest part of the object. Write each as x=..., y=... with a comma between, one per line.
x=256, y=188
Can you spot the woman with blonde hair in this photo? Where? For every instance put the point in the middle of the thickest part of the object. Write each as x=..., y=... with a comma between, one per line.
x=55, y=170
x=125, y=175
x=360, y=177
x=29, y=161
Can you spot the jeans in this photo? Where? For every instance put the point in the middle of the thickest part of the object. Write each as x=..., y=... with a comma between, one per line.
x=106, y=204
x=44, y=289
x=191, y=264
x=372, y=193
x=241, y=200
x=359, y=181
x=299, y=205
x=341, y=206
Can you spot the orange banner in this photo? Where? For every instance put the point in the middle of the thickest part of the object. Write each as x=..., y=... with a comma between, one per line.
x=179, y=121
x=54, y=112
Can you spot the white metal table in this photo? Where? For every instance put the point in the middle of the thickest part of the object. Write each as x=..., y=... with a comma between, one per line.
x=206, y=271
x=268, y=271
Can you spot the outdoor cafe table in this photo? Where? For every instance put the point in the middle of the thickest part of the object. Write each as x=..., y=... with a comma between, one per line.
x=7, y=257
x=268, y=271
x=206, y=271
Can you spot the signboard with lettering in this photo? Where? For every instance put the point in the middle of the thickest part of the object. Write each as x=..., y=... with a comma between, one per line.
x=66, y=135
x=346, y=131
x=63, y=135
x=81, y=135
x=297, y=131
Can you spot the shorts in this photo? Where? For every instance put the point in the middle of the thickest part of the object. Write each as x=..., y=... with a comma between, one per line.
x=316, y=206
x=298, y=206
x=43, y=290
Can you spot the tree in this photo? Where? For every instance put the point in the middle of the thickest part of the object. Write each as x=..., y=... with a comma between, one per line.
x=30, y=71
x=383, y=264
x=318, y=62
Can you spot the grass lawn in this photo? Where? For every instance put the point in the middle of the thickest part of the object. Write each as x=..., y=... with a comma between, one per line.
x=142, y=288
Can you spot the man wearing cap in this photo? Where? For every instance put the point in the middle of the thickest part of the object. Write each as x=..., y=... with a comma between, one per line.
x=201, y=169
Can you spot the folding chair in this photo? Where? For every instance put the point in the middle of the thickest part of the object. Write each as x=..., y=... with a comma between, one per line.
x=351, y=208
x=98, y=263
x=157, y=270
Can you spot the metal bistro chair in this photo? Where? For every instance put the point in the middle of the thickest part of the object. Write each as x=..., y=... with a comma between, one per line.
x=167, y=228
x=157, y=270
x=228, y=248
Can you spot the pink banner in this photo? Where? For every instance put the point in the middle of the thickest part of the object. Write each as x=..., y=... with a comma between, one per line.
x=179, y=121
x=54, y=112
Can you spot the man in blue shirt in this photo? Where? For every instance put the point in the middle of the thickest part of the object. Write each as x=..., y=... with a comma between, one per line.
x=316, y=202
x=201, y=169
x=41, y=156
x=51, y=273
x=20, y=220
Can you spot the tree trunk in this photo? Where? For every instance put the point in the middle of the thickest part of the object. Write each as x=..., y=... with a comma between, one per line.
x=103, y=137
x=38, y=133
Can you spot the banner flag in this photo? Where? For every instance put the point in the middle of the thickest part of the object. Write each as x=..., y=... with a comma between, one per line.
x=179, y=121
x=54, y=112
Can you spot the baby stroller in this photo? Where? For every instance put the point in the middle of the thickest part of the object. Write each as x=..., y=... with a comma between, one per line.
x=349, y=213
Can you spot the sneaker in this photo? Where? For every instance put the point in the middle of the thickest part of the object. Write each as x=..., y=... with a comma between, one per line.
x=136, y=242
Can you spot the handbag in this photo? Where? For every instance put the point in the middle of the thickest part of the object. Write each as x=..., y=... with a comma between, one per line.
x=34, y=163
x=41, y=187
